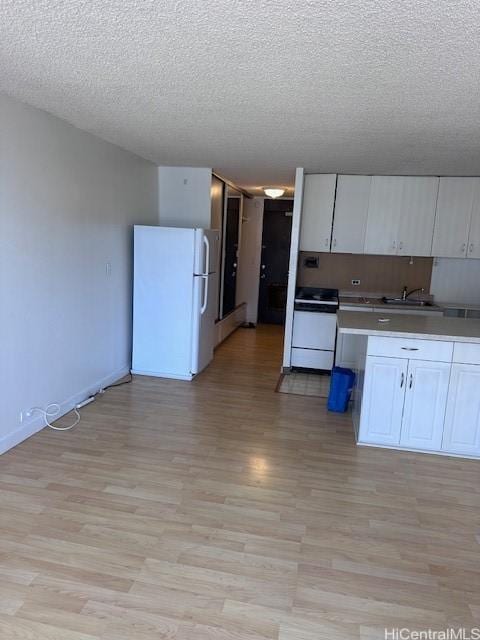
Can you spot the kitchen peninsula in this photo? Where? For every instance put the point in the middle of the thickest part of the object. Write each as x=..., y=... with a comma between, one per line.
x=418, y=381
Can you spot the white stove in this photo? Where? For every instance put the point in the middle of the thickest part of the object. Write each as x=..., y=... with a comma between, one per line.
x=314, y=328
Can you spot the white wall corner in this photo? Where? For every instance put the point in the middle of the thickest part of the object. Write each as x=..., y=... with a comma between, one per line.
x=184, y=197
x=292, y=269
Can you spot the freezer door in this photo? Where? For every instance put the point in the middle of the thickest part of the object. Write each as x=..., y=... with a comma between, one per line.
x=206, y=251
x=204, y=313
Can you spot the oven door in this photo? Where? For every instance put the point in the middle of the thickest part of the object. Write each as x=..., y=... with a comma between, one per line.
x=314, y=330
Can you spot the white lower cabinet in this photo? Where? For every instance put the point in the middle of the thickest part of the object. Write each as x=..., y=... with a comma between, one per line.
x=426, y=392
x=404, y=402
x=412, y=402
x=383, y=397
x=462, y=420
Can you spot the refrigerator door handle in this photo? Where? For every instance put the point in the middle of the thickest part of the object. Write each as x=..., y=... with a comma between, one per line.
x=207, y=255
x=205, y=296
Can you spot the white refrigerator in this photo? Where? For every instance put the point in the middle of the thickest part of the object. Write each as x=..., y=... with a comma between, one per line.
x=175, y=298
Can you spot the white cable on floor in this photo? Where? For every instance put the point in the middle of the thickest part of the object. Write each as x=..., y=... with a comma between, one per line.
x=48, y=413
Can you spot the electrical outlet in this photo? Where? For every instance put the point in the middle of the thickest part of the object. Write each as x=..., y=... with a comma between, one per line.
x=25, y=415
x=355, y=282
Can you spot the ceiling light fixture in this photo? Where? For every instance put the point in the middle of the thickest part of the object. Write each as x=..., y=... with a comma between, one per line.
x=273, y=192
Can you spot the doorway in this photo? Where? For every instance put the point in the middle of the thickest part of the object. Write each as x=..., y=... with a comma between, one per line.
x=277, y=229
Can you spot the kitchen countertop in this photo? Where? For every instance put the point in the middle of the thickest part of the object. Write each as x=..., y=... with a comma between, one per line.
x=470, y=306
x=409, y=326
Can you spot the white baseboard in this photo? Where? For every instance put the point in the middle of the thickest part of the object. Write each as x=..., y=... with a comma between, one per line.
x=159, y=374
x=227, y=325
x=409, y=449
x=37, y=423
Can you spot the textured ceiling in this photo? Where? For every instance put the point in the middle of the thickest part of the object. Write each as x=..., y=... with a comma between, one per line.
x=256, y=88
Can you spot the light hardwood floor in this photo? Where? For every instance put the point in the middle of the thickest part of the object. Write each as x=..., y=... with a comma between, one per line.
x=222, y=510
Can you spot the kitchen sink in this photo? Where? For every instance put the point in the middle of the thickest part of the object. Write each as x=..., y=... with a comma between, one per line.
x=407, y=303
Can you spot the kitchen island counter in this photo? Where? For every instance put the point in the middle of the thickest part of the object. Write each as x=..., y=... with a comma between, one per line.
x=409, y=326
x=417, y=381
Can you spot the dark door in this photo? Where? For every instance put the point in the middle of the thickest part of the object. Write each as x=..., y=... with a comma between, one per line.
x=277, y=229
x=231, y=249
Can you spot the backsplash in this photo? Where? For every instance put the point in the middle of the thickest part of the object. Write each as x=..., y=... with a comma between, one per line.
x=376, y=273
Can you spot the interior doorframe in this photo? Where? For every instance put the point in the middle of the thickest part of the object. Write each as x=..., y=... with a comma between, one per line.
x=223, y=252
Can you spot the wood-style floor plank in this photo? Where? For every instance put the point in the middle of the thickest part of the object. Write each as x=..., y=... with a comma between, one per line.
x=221, y=510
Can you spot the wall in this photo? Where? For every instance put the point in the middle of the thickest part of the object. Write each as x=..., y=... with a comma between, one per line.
x=184, y=197
x=68, y=201
x=249, y=258
x=456, y=280
x=376, y=273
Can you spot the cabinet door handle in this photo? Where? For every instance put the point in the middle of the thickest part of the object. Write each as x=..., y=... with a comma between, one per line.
x=402, y=380
x=411, y=381
x=410, y=348
x=334, y=242
x=327, y=241
x=400, y=246
x=394, y=244
x=464, y=246
x=470, y=249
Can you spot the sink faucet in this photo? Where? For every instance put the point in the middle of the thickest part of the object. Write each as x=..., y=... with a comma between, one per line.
x=406, y=293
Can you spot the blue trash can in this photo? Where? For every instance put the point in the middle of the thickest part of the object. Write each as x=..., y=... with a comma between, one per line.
x=341, y=385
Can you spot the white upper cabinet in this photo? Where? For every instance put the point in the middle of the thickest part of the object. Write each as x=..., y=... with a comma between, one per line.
x=417, y=216
x=317, y=212
x=391, y=215
x=473, y=249
x=384, y=215
x=454, y=212
x=401, y=215
x=350, y=216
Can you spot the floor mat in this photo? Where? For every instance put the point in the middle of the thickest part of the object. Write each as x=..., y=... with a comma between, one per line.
x=304, y=384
